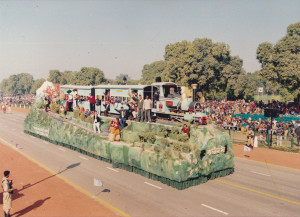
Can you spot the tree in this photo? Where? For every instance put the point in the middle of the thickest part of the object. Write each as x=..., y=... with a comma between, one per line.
x=281, y=62
x=17, y=84
x=88, y=76
x=4, y=85
x=151, y=71
x=246, y=86
x=66, y=77
x=119, y=80
x=205, y=63
x=36, y=85
x=55, y=76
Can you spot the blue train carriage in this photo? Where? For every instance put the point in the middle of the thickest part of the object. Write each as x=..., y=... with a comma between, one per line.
x=83, y=91
x=175, y=105
x=170, y=104
x=119, y=95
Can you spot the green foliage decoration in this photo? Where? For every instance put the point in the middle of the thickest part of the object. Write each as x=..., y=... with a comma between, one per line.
x=175, y=130
x=164, y=142
x=156, y=149
x=186, y=148
x=182, y=137
x=167, y=154
x=76, y=113
x=82, y=117
x=89, y=119
x=176, y=147
x=54, y=107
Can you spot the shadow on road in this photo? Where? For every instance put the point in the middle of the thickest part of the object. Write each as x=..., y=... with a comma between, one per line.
x=26, y=210
x=67, y=168
x=15, y=196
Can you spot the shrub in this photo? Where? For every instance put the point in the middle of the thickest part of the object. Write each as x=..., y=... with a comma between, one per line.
x=150, y=136
x=175, y=130
x=182, y=137
x=142, y=136
x=54, y=107
x=157, y=149
x=40, y=104
x=177, y=147
x=89, y=119
x=162, y=128
x=167, y=154
x=164, y=142
x=76, y=113
x=82, y=117
x=186, y=148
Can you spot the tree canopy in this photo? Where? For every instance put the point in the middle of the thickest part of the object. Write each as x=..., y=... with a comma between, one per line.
x=281, y=62
x=17, y=84
x=86, y=76
x=151, y=71
x=36, y=85
x=201, y=62
x=119, y=80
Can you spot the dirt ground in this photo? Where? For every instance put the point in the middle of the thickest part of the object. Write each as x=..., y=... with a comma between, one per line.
x=40, y=193
x=22, y=110
x=280, y=158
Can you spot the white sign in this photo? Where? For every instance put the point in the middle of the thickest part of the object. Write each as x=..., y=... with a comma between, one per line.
x=260, y=89
x=216, y=151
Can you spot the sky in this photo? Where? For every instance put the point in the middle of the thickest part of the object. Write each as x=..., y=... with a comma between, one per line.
x=121, y=36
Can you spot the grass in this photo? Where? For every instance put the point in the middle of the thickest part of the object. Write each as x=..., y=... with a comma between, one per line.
x=268, y=97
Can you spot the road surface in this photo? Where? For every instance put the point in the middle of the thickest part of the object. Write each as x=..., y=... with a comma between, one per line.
x=255, y=189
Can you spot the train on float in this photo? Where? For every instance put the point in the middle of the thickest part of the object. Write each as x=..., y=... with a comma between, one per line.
x=169, y=100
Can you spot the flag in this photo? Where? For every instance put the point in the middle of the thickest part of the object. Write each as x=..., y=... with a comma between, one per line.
x=98, y=183
x=255, y=142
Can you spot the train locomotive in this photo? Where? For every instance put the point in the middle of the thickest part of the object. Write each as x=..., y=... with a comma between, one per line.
x=169, y=101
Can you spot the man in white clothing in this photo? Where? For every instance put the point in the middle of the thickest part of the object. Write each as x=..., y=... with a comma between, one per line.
x=96, y=122
x=147, y=109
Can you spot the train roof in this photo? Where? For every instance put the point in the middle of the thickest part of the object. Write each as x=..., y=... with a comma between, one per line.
x=105, y=86
x=76, y=87
x=163, y=83
x=122, y=86
x=109, y=86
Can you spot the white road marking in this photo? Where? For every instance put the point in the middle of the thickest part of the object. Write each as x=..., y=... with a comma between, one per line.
x=62, y=149
x=225, y=213
x=259, y=173
x=112, y=169
x=152, y=185
x=83, y=158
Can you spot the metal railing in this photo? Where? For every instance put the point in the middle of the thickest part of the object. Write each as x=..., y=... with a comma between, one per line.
x=264, y=139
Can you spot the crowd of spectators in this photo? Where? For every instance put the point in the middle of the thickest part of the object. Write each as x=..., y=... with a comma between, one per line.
x=26, y=99
x=225, y=114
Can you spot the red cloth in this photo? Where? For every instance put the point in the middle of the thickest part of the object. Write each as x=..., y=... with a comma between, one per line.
x=92, y=99
x=185, y=130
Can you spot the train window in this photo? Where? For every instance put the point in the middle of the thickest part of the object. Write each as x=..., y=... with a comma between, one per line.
x=170, y=91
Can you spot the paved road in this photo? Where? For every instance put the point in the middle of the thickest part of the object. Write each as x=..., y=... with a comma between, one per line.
x=255, y=189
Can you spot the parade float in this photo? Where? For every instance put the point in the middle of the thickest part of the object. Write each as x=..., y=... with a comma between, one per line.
x=157, y=151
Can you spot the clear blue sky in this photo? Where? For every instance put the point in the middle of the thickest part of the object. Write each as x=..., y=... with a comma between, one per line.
x=120, y=36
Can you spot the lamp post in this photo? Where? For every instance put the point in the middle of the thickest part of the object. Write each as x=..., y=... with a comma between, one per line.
x=194, y=86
